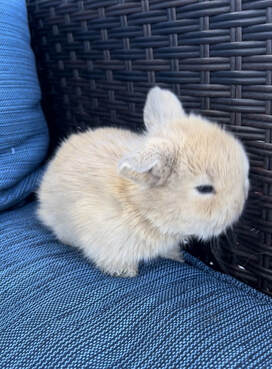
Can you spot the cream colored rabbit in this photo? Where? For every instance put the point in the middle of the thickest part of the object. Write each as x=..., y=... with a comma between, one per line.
x=122, y=197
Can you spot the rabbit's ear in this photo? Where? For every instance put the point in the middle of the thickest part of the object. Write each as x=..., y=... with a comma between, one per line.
x=150, y=166
x=161, y=106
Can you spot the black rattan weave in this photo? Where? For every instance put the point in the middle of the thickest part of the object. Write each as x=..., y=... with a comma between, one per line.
x=97, y=59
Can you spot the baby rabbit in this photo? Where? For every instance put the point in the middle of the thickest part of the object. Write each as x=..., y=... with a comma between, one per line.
x=123, y=197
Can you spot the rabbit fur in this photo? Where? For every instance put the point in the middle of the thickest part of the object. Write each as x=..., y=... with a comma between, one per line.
x=123, y=197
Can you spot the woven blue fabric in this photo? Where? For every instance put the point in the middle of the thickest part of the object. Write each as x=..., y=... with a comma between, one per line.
x=23, y=131
x=58, y=311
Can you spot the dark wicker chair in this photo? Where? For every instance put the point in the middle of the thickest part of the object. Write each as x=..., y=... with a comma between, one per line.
x=97, y=59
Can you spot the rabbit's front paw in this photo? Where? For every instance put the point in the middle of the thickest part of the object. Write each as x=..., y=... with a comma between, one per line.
x=122, y=270
x=174, y=254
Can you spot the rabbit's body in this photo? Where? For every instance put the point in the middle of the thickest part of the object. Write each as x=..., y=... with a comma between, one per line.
x=94, y=208
x=123, y=197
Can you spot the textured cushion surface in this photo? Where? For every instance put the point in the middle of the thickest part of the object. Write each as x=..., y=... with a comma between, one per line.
x=23, y=131
x=58, y=311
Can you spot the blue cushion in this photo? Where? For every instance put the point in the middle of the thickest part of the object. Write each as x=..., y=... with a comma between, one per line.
x=23, y=131
x=59, y=311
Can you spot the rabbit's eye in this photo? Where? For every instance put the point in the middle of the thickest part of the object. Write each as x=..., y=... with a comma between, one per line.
x=205, y=189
